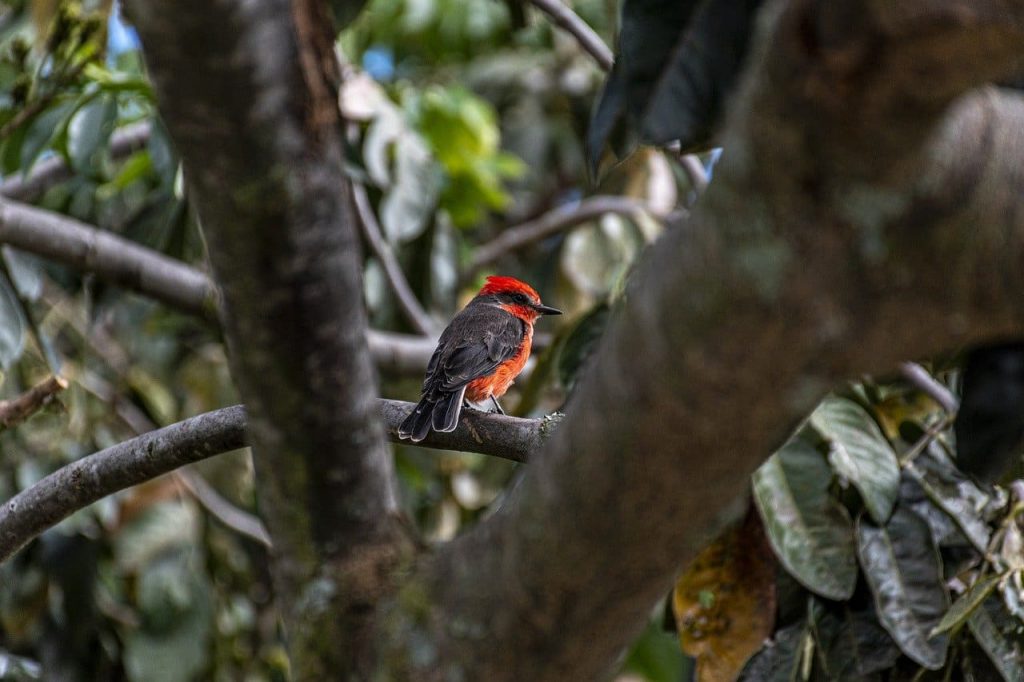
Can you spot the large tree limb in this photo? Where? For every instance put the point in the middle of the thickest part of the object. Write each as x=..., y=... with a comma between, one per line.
x=851, y=225
x=158, y=452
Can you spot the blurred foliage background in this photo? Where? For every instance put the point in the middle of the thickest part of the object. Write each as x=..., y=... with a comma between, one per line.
x=466, y=122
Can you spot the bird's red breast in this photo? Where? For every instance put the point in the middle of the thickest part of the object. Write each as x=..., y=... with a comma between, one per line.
x=498, y=383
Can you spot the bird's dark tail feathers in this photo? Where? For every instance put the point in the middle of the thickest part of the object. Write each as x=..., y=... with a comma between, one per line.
x=440, y=413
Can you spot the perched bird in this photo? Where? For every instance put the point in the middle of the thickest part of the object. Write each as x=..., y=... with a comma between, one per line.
x=478, y=356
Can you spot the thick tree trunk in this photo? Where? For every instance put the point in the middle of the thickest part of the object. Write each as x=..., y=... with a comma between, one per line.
x=248, y=94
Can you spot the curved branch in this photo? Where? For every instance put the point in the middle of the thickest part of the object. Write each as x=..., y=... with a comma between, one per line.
x=407, y=300
x=79, y=484
x=569, y=21
x=919, y=377
x=557, y=220
x=55, y=170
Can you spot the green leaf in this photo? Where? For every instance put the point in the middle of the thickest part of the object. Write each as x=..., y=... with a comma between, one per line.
x=42, y=131
x=904, y=572
x=12, y=325
x=1002, y=638
x=809, y=530
x=964, y=606
x=860, y=453
x=706, y=61
x=173, y=643
x=26, y=273
x=956, y=495
x=10, y=159
x=851, y=644
x=90, y=127
x=581, y=343
x=779, y=660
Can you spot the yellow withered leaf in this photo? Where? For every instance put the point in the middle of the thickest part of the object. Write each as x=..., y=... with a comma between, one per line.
x=724, y=603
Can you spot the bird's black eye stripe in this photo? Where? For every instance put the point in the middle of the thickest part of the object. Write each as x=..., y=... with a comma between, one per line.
x=520, y=298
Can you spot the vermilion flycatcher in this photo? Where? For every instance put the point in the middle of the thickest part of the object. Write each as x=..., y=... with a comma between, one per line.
x=478, y=356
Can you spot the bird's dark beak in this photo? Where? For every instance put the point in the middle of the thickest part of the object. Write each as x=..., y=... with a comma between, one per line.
x=547, y=310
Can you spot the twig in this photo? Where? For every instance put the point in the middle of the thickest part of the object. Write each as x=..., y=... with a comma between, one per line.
x=236, y=519
x=407, y=300
x=17, y=410
x=54, y=170
x=919, y=377
x=694, y=170
x=153, y=454
x=555, y=221
x=569, y=21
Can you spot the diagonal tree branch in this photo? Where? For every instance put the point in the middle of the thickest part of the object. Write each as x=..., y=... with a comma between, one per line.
x=895, y=231
x=407, y=300
x=150, y=273
x=158, y=452
x=111, y=258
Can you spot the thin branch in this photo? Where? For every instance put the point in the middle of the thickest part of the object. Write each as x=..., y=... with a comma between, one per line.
x=17, y=410
x=919, y=377
x=558, y=220
x=54, y=170
x=156, y=453
x=694, y=170
x=236, y=519
x=569, y=21
x=407, y=301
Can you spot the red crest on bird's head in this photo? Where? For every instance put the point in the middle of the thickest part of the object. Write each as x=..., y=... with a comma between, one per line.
x=496, y=284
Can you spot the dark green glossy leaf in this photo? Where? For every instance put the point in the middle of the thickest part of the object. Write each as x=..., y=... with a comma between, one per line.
x=42, y=131
x=10, y=158
x=677, y=63
x=26, y=273
x=12, y=325
x=955, y=494
x=90, y=128
x=904, y=571
x=860, y=453
x=965, y=605
x=690, y=98
x=851, y=644
x=810, y=531
x=780, y=659
x=1001, y=636
x=580, y=343
x=649, y=31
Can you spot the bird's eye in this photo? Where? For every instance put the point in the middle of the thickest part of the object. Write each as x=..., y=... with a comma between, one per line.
x=520, y=298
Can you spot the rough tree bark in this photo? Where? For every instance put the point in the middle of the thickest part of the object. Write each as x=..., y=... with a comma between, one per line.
x=247, y=91
x=852, y=224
